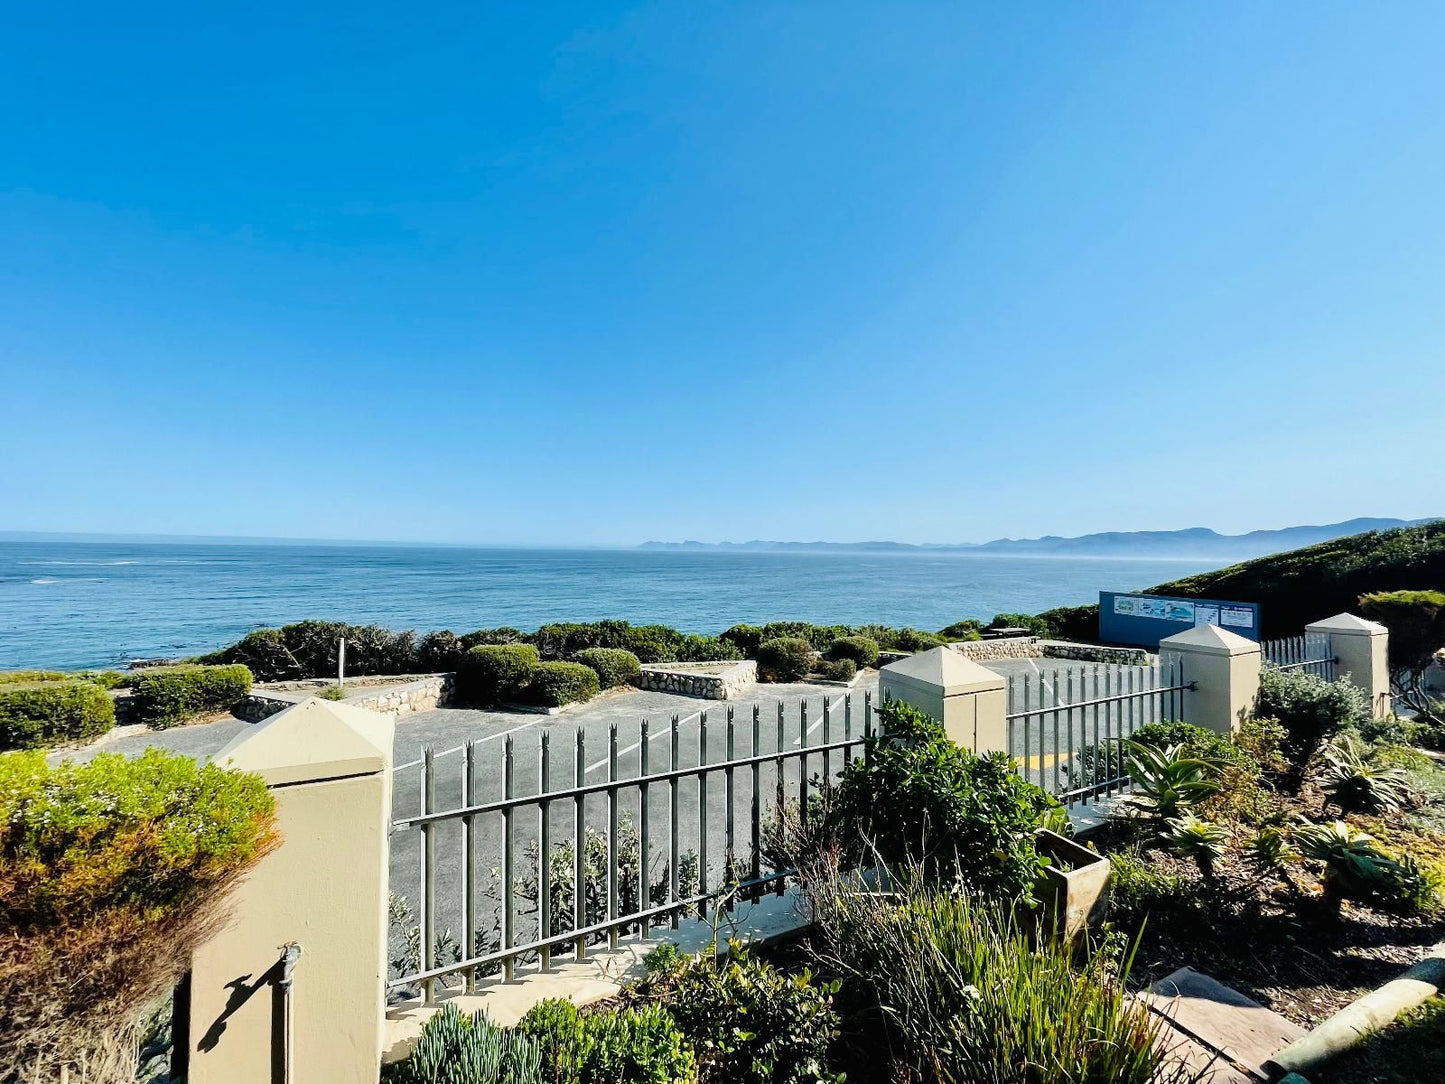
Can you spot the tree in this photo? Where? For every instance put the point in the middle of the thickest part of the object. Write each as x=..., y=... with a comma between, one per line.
x=1416, y=620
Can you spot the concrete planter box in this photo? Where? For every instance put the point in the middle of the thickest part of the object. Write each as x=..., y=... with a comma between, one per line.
x=1074, y=888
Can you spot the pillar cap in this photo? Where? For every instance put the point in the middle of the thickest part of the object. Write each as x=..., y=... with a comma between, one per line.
x=1347, y=625
x=945, y=670
x=1210, y=640
x=316, y=739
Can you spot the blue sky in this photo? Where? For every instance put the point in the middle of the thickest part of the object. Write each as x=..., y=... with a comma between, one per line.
x=596, y=274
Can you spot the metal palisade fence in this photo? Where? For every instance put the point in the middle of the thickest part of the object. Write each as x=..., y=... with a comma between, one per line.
x=1311, y=653
x=523, y=850
x=1067, y=725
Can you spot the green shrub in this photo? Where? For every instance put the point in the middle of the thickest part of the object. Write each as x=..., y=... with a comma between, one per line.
x=614, y=666
x=440, y=652
x=839, y=670
x=748, y=1022
x=967, y=629
x=1191, y=837
x=912, y=640
x=1079, y=623
x=557, y=683
x=860, y=650
x=51, y=712
x=1416, y=620
x=331, y=692
x=787, y=658
x=1311, y=710
x=1140, y=891
x=653, y=643
x=106, y=679
x=308, y=649
x=819, y=637
x=493, y=673
x=706, y=649
x=1037, y=626
x=1193, y=741
x=1168, y=783
x=504, y=635
x=964, y=993
x=458, y=1049
x=1357, y=868
x=1357, y=783
x=112, y=873
x=563, y=640
x=167, y=695
x=918, y=797
x=627, y=1046
x=745, y=638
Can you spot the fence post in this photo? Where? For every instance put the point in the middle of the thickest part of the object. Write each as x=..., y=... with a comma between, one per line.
x=967, y=698
x=1363, y=650
x=1224, y=670
x=323, y=890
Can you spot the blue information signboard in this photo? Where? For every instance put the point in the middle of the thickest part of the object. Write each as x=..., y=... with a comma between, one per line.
x=1144, y=620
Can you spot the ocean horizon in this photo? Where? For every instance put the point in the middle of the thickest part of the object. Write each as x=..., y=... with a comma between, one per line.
x=72, y=604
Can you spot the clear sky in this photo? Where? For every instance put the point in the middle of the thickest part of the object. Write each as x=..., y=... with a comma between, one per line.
x=597, y=274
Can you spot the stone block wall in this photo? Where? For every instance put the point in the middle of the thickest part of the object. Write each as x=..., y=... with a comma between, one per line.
x=1008, y=647
x=678, y=678
x=1031, y=647
x=421, y=694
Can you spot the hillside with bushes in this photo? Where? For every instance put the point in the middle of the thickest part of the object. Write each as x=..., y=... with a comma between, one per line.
x=1299, y=586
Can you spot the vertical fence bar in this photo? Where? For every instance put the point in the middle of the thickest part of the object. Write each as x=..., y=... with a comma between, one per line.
x=544, y=847
x=782, y=785
x=644, y=894
x=509, y=932
x=427, y=906
x=1028, y=726
x=803, y=761
x=867, y=721
x=672, y=851
x=756, y=842
x=1057, y=751
x=702, y=812
x=1098, y=749
x=612, y=901
x=847, y=728
x=1069, y=730
x=579, y=849
x=729, y=875
x=827, y=737
x=469, y=863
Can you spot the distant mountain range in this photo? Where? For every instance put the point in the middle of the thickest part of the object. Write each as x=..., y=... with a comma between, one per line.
x=1191, y=542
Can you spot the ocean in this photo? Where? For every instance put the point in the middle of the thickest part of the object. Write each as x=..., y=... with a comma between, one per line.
x=92, y=604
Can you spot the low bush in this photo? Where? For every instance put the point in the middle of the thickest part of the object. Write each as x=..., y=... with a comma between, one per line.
x=167, y=695
x=1140, y=891
x=917, y=797
x=493, y=673
x=860, y=650
x=617, y=1046
x=819, y=637
x=106, y=679
x=967, y=629
x=748, y=1022
x=706, y=649
x=1311, y=710
x=964, y=993
x=1416, y=620
x=745, y=638
x=1080, y=623
x=614, y=666
x=311, y=649
x=1037, y=626
x=787, y=658
x=457, y=1049
x=1356, y=867
x=51, y=712
x=910, y=640
x=839, y=670
x=440, y=652
x=504, y=635
x=1167, y=783
x=1358, y=783
x=112, y=873
x=557, y=683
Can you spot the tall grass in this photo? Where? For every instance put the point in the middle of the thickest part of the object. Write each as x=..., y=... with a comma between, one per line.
x=968, y=997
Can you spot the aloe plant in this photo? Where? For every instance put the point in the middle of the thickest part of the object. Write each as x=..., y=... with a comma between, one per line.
x=1269, y=851
x=1166, y=782
x=1357, y=783
x=1354, y=863
x=1197, y=839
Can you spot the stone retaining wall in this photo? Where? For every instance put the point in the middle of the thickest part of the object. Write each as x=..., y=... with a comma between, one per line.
x=422, y=694
x=680, y=679
x=1006, y=647
x=1031, y=647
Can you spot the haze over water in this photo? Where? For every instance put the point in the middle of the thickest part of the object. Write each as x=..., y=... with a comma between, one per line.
x=78, y=604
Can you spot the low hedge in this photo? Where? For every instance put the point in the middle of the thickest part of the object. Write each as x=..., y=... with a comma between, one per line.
x=493, y=673
x=839, y=670
x=106, y=679
x=557, y=683
x=861, y=650
x=614, y=666
x=44, y=713
x=168, y=695
x=115, y=871
x=786, y=658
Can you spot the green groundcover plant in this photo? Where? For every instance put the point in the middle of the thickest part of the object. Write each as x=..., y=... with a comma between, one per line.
x=168, y=695
x=111, y=873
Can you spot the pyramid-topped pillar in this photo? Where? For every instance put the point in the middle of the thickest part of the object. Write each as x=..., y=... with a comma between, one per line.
x=1221, y=671
x=967, y=698
x=1362, y=648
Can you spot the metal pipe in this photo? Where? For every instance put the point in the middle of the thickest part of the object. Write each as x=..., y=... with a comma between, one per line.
x=283, y=976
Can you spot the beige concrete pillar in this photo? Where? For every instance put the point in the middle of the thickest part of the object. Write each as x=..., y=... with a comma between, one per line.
x=1363, y=648
x=1224, y=667
x=967, y=698
x=324, y=889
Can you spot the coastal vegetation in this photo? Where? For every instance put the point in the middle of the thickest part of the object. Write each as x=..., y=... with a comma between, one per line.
x=1299, y=586
x=34, y=714
x=111, y=873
